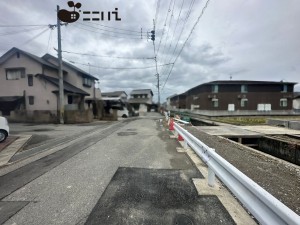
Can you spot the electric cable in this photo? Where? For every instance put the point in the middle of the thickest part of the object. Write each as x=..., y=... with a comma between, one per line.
x=181, y=32
x=133, y=31
x=36, y=36
x=115, y=32
x=20, y=31
x=107, y=56
x=193, y=28
x=93, y=31
x=114, y=68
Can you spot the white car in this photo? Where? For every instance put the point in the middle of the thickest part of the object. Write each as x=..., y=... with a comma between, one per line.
x=4, y=129
x=123, y=112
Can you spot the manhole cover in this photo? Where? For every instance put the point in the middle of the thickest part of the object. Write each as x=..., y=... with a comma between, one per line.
x=126, y=133
x=182, y=220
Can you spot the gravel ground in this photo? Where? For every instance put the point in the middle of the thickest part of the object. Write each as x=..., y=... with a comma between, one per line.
x=279, y=178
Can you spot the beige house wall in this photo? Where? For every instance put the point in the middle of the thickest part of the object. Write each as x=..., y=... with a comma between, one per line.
x=44, y=99
x=74, y=78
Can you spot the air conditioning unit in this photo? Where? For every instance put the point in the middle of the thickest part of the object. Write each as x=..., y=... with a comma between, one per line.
x=209, y=96
x=239, y=96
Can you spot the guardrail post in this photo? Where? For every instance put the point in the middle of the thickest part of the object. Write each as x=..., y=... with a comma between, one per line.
x=211, y=176
x=176, y=133
x=185, y=144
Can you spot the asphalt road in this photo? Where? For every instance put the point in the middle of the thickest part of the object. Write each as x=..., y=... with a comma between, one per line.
x=132, y=164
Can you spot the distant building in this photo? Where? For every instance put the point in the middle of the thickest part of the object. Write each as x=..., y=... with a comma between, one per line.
x=168, y=102
x=237, y=97
x=178, y=101
x=141, y=100
x=116, y=94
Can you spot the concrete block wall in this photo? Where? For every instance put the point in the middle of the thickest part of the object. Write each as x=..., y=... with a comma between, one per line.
x=82, y=116
x=284, y=123
x=281, y=149
x=35, y=116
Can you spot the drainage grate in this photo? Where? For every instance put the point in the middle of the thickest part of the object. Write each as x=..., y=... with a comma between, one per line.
x=126, y=133
x=182, y=219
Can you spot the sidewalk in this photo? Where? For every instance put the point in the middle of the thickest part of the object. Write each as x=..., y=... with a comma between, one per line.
x=11, y=146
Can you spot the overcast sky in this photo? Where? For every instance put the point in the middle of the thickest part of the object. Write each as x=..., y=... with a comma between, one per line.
x=241, y=39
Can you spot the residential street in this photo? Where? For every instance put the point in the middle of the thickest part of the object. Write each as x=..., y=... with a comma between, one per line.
x=128, y=172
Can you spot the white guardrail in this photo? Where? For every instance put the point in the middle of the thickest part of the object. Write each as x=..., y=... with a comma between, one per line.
x=262, y=205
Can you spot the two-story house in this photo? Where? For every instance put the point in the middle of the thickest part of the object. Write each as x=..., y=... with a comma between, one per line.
x=116, y=94
x=243, y=97
x=141, y=100
x=29, y=87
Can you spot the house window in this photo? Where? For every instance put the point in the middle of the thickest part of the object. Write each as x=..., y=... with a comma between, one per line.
x=70, y=99
x=215, y=103
x=15, y=74
x=215, y=88
x=87, y=82
x=283, y=102
x=31, y=100
x=284, y=88
x=244, y=88
x=244, y=102
x=30, y=80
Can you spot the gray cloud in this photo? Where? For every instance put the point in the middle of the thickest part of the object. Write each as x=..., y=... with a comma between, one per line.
x=243, y=39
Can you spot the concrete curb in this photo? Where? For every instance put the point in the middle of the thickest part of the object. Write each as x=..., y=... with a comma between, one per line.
x=7, y=153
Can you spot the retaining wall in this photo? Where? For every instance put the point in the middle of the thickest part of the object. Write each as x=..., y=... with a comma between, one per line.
x=294, y=124
x=281, y=149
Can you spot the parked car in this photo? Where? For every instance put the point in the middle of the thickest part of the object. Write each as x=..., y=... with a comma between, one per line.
x=123, y=112
x=4, y=129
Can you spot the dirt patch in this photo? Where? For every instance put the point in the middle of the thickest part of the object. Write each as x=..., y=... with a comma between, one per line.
x=277, y=177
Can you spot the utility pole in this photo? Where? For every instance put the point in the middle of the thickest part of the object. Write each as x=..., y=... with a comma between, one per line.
x=155, y=58
x=60, y=72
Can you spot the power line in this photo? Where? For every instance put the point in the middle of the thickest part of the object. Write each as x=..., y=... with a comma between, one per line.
x=163, y=30
x=181, y=32
x=49, y=40
x=36, y=36
x=133, y=31
x=172, y=15
x=82, y=28
x=107, y=56
x=20, y=31
x=193, y=28
x=157, y=10
x=115, y=32
x=114, y=68
x=41, y=25
x=169, y=48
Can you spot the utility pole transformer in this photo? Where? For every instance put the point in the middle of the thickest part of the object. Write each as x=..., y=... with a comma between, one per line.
x=60, y=73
